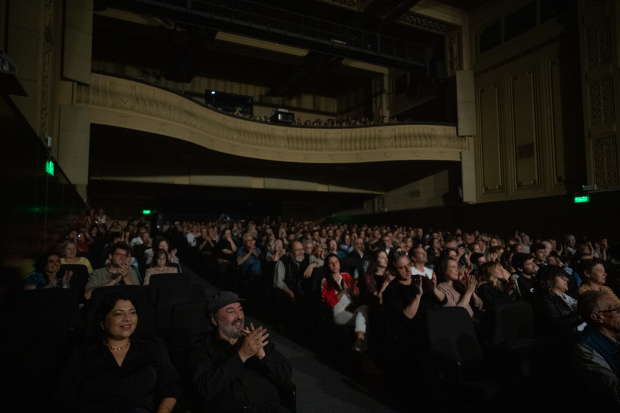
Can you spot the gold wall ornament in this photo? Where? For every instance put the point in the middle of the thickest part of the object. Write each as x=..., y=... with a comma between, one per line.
x=134, y=105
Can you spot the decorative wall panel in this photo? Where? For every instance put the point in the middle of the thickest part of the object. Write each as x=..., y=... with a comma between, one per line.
x=523, y=107
x=490, y=145
x=599, y=52
x=601, y=102
x=605, y=161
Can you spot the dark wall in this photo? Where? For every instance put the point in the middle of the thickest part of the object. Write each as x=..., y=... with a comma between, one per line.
x=35, y=207
x=542, y=217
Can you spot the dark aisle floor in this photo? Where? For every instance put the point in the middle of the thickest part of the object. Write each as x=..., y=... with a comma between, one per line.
x=320, y=388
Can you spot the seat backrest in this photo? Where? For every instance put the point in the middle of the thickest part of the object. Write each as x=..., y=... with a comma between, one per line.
x=158, y=281
x=147, y=322
x=512, y=320
x=173, y=295
x=39, y=310
x=451, y=333
x=186, y=320
x=348, y=264
x=137, y=292
x=79, y=279
x=138, y=251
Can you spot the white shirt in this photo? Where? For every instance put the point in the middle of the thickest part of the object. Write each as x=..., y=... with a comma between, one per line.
x=136, y=241
x=427, y=272
x=345, y=299
x=191, y=239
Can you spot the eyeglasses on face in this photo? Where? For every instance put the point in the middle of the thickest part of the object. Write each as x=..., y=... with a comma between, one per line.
x=118, y=254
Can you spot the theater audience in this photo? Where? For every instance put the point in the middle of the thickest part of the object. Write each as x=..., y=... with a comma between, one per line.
x=405, y=300
x=555, y=312
x=234, y=366
x=161, y=243
x=491, y=287
x=118, y=271
x=375, y=280
x=340, y=292
x=278, y=252
x=69, y=250
x=46, y=274
x=525, y=269
x=114, y=372
x=458, y=294
x=159, y=265
x=594, y=276
x=596, y=358
x=292, y=269
x=249, y=258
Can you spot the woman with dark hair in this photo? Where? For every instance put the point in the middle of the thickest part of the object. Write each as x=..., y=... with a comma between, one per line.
x=375, y=280
x=46, y=274
x=506, y=262
x=594, y=277
x=433, y=252
x=161, y=243
x=457, y=293
x=339, y=291
x=555, y=311
x=159, y=265
x=113, y=372
x=492, y=288
x=345, y=244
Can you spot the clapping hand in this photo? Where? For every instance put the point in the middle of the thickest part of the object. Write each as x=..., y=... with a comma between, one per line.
x=431, y=283
x=416, y=283
x=66, y=278
x=253, y=343
x=470, y=285
x=511, y=286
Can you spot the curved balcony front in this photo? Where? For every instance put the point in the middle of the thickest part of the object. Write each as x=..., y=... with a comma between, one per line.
x=130, y=104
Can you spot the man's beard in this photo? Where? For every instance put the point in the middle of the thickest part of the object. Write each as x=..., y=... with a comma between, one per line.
x=298, y=258
x=234, y=329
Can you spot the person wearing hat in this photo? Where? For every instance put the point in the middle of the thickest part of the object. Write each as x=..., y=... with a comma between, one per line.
x=234, y=367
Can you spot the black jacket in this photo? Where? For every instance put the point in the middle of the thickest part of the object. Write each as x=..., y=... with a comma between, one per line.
x=490, y=295
x=228, y=384
x=553, y=316
x=92, y=380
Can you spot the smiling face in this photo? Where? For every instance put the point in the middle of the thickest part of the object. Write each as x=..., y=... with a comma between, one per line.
x=70, y=251
x=230, y=321
x=53, y=264
x=452, y=270
x=121, y=322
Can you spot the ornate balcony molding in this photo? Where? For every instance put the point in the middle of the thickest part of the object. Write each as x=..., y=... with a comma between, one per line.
x=134, y=105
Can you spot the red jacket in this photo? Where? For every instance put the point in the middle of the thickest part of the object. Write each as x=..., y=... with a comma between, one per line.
x=329, y=294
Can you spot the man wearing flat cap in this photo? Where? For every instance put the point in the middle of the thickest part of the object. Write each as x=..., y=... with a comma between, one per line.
x=235, y=367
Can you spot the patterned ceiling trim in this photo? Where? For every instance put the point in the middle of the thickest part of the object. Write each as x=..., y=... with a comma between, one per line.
x=133, y=105
x=424, y=23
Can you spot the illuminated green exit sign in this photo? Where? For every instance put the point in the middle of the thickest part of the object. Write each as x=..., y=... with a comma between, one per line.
x=146, y=212
x=49, y=167
x=582, y=199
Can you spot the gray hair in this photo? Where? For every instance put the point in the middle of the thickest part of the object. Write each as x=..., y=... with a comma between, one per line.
x=306, y=242
x=64, y=245
x=590, y=303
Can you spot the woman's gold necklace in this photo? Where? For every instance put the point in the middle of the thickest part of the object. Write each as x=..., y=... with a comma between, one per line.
x=117, y=348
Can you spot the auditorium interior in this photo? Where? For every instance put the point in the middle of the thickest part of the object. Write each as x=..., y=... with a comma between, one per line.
x=403, y=123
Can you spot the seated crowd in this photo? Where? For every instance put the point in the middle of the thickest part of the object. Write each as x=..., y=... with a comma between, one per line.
x=376, y=283
x=336, y=122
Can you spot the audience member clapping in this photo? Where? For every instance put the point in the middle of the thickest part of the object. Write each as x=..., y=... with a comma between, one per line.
x=159, y=265
x=69, y=250
x=46, y=274
x=118, y=271
x=492, y=288
x=458, y=294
